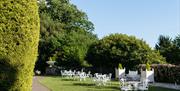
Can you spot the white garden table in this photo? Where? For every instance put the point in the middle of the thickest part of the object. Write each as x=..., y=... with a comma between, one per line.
x=133, y=84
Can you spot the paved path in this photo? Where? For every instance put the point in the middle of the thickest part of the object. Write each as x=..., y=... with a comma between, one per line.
x=167, y=85
x=36, y=86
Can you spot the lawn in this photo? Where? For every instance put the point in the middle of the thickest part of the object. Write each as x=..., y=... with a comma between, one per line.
x=63, y=84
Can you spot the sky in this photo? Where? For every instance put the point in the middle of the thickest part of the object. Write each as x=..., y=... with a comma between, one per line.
x=145, y=19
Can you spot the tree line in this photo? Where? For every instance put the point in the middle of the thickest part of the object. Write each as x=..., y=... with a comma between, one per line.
x=66, y=36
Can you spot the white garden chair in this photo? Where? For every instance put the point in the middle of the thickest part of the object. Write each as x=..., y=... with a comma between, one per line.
x=82, y=76
x=143, y=85
x=100, y=79
x=124, y=86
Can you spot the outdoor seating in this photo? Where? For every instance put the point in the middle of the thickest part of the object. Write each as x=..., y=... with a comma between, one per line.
x=75, y=74
x=133, y=81
x=133, y=76
x=143, y=85
x=65, y=73
x=82, y=76
x=100, y=79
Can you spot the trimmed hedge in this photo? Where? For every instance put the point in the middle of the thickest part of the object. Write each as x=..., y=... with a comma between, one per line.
x=19, y=36
x=167, y=73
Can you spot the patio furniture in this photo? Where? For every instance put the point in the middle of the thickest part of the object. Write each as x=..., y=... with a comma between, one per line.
x=100, y=79
x=147, y=75
x=143, y=85
x=133, y=76
x=124, y=86
x=119, y=73
x=82, y=76
x=134, y=84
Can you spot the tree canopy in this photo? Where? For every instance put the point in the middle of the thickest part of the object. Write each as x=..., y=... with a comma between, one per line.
x=66, y=33
x=124, y=49
x=169, y=48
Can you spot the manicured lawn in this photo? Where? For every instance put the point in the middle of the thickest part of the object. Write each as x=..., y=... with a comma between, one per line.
x=64, y=84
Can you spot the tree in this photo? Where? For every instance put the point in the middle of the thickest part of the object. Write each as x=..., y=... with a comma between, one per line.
x=176, y=41
x=74, y=48
x=169, y=48
x=19, y=36
x=176, y=53
x=120, y=48
x=164, y=43
x=66, y=33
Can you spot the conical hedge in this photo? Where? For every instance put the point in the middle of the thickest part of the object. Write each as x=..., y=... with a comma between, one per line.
x=19, y=36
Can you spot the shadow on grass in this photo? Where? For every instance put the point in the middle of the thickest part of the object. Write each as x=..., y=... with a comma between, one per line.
x=93, y=86
x=84, y=84
x=108, y=87
x=67, y=79
x=154, y=88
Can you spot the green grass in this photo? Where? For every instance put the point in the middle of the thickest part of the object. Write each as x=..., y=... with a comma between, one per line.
x=64, y=84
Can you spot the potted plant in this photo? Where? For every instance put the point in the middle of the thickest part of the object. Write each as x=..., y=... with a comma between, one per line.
x=121, y=71
x=148, y=67
x=120, y=66
x=149, y=73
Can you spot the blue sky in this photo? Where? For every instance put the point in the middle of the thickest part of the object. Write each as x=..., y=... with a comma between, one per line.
x=145, y=19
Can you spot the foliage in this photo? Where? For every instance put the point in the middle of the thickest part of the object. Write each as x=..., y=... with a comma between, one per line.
x=121, y=48
x=120, y=66
x=176, y=50
x=154, y=57
x=167, y=73
x=66, y=34
x=164, y=42
x=19, y=36
x=169, y=48
x=74, y=48
x=148, y=67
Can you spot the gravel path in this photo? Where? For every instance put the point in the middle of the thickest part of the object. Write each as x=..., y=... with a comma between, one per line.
x=36, y=86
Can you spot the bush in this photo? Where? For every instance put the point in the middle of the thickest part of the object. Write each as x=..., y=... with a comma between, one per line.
x=19, y=36
x=148, y=67
x=167, y=73
x=120, y=66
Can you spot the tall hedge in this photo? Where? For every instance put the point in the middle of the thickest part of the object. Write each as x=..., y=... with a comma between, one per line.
x=19, y=36
x=165, y=73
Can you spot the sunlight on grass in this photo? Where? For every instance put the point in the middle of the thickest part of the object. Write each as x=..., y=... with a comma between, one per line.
x=64, y=84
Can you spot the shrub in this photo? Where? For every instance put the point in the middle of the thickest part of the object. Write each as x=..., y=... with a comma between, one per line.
x=19, y=36
x=120, y=66
x=167, y=73
x=148, y=67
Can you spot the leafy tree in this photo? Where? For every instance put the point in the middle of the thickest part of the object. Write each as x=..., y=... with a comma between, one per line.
x=120, y=48
x=176, y=53
x=66, y=33
x=19, y=36
x=176, y=41
x=164, y=43
x=169, y=48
